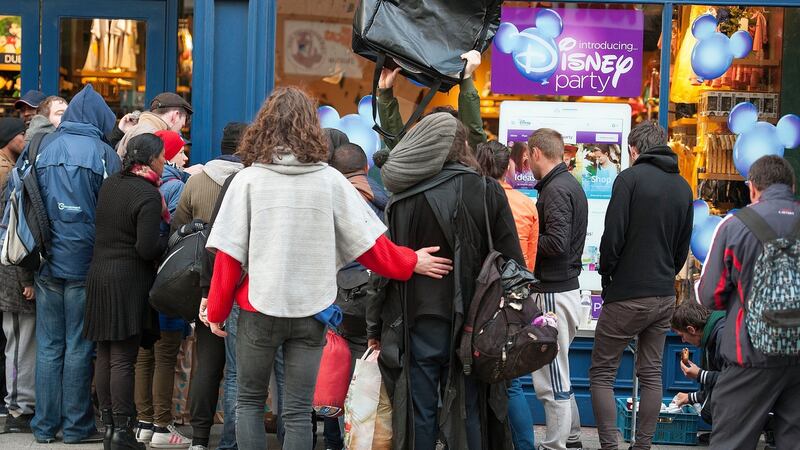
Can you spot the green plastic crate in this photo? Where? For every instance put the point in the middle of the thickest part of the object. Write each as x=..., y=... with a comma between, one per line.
x=672, y=428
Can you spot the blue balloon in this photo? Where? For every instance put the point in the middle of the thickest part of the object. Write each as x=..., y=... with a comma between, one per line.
x=360, y=132
x=704, y=26
x=365, y=109
x=505, y=39
x=534, y=50
x=328, y=116
x=713, y=52
x=743, y=117
x=789, y=130
x=549, y=23
x=741, y=44
x=759, y=141
x=701, y=212
x=702, y=236
x=711, y=57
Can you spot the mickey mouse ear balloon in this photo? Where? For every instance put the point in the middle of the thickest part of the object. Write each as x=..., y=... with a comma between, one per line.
x=756, y=139
x=533, y=50
x=713, y=52
x=357, y=127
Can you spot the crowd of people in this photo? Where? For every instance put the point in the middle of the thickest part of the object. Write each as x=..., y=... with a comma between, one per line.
x=296, y=208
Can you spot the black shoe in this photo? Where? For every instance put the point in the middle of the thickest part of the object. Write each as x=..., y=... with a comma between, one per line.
x=94, y=438
x=21, y=424
x=123, y=437
x=45, y=440
x=108, y=423
x=577, y=445
x=704, y=438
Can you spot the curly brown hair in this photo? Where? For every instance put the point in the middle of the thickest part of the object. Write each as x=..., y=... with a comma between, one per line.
x=286, y=123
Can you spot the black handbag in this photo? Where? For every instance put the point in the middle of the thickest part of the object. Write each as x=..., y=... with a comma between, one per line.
x=425, y=38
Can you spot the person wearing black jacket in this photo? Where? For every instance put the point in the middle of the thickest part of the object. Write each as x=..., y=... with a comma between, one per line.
x=645, y=243
x=563, y=218
x=438, y=201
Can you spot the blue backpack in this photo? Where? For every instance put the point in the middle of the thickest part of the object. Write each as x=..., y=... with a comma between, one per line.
x=26, y=237
x=773, y=305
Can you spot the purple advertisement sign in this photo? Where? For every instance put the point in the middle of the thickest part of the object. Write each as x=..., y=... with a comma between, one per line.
x=597, y=306
x=575, y=52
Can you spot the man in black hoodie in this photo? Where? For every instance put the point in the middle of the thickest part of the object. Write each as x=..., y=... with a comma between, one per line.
x=644, y=245
x=563, y=217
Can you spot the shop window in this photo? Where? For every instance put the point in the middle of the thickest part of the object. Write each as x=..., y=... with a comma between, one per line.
x=185, y=48
x=699, y=107
x=313, y=51
x=10, y=62
x=109, y=54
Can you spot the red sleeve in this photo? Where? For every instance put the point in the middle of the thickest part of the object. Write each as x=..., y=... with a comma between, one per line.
x=389, y=260
x=227, y=273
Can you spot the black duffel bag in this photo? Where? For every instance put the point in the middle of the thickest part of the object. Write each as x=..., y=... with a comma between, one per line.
x=176, y=291
x=426, y=38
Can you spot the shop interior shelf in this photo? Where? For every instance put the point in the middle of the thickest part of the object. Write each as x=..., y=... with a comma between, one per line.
x=105, y=74
x=719, y=176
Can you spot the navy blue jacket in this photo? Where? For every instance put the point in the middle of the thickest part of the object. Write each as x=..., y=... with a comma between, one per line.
x=71, y=166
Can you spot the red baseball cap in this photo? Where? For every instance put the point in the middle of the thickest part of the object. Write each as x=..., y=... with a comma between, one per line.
x=173, y=143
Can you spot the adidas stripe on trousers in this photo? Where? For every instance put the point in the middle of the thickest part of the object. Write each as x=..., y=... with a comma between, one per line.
x=551, y=382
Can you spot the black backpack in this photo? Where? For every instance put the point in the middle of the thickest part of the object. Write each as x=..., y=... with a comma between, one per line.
x=354, y=291
x=177, y=290
x=499, y=341
x=424, y=37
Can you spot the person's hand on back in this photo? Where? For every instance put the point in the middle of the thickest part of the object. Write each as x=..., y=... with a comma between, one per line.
x=387, y=78
x=473, y=59
x=432, y=266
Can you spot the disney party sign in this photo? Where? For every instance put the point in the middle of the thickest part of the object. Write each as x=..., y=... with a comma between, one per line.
x=576, y=52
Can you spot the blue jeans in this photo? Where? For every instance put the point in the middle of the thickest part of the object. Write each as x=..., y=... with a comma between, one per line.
x=258, y=339
x=280, y=383
x=228, y=439
x=519, y=416
x=63, y=362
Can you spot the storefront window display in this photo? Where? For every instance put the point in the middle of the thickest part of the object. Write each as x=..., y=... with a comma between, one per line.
x=109, y=54
x=10, y=62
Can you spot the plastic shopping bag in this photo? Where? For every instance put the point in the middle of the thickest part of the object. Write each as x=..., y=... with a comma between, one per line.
x=368, y=411
x=334, y=377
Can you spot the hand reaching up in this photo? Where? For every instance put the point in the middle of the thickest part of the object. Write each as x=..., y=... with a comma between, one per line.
x=387, y=78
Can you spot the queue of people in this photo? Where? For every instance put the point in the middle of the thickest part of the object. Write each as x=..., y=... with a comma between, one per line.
x=115, y=192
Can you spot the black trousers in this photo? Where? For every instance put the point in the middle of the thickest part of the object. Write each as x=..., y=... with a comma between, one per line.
x=742, y=401
x=115, y=374
x=430, y=365
x=206, y=379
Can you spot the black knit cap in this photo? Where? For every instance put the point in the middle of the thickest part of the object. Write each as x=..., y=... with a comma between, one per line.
x=231, y=135
x=10, y=127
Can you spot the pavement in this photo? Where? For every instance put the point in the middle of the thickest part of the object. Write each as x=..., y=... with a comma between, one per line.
x=26, y=441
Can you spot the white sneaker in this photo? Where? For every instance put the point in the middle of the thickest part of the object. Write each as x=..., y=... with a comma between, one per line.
x=198, y=447
x=142, y=434
x=171, y=439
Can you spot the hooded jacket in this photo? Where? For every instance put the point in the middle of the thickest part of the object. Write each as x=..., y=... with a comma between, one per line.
x=199, y=198
x=148, y=123
x=563, y=218
x=201, y=191
x=39, y=124
x=173, y=181
x=72, y=164
x=647, y=229
x=728, y=274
